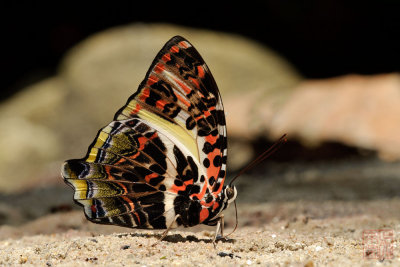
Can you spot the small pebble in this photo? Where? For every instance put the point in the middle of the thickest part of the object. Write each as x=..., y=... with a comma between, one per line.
x=23, y=259
x=318, y=248
x=224, y=254
x=125, y=247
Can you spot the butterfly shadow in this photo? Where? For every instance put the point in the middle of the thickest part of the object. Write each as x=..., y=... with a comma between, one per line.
x=178, y=238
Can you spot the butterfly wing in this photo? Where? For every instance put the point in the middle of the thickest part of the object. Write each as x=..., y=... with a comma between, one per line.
x=168, y=140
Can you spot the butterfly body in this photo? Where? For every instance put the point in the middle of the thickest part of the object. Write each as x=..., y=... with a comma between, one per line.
x=161, y=163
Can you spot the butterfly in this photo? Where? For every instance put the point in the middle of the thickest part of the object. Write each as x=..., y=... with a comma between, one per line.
x=161, y=163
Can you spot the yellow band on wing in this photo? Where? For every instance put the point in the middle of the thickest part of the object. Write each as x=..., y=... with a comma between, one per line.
x=177, y=131
x=99, y=143
x=80, y=187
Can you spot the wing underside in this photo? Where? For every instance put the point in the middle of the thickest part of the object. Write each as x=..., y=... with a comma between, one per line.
x=168, y=140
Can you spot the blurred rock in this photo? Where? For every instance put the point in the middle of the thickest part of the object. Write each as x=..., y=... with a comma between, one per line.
x=58, y=118
x=360, y=111
x=29, y=140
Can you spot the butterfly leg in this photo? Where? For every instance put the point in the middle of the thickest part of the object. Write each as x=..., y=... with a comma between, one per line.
x=164, y=234
x=220, y=228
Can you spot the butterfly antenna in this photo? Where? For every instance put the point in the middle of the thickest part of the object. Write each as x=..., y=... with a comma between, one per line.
x=236, y=225
x=262, y=157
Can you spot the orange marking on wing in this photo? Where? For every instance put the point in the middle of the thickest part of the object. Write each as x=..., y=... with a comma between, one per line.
x=174, y=49
x=175, y=188
x=200, y=71
x=159, y=68
x=166, y=57
x=183, y=44
x=138, y=217
x=198, y=117
x=123, y=187
x=150, y=176
x=211, y=108
x=216, y=205
x=161, y=103
x=183, y=100
x=155, y=135
x=183, y=86
x=107, y=169
x=212, y=139
x=203, y=215
x=142, y=142
x=135, y=156
x=120, y=161
x=152, y=80
x=136, y=110
x=207, y=113
x=212, y=170
x=93, y=208
x=129, y=201
x=145, y=94
x=195, y=82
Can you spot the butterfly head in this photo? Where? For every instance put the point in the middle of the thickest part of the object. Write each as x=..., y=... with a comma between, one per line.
x=230, y=193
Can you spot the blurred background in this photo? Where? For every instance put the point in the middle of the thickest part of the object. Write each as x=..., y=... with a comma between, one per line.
x=324, y=72
x=320, y=38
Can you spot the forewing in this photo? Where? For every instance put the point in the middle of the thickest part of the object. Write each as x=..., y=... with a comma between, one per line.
x=180, y=89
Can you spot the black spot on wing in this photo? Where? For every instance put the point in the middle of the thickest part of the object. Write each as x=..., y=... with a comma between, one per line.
x=217, y=161
x=193, y=167
x=129, y=177
x=190, y=123
x=165, y=89
x=206, y=162
x=189, y=210
x=211, y=180
x=178, y=182
x=156, y=180
x=142, y=187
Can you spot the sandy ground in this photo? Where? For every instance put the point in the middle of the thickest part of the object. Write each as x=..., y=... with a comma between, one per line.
x=294, y=236
x=319, y=224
